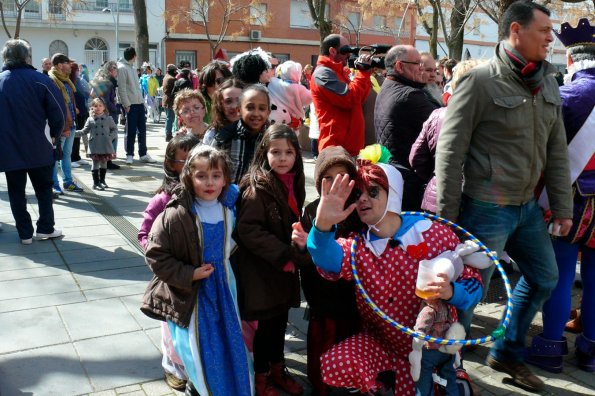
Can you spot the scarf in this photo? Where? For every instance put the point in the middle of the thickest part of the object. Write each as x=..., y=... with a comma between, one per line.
x=59, y=79
x=530, y=72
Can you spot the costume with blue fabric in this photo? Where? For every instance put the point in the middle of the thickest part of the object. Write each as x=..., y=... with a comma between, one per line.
x=212, y=348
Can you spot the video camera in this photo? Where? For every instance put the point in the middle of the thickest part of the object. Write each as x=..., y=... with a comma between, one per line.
x=374, y=49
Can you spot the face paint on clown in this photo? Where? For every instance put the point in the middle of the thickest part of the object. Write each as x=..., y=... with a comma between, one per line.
x=379, y=191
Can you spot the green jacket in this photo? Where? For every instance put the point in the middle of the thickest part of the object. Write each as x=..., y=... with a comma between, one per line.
x=504, y=139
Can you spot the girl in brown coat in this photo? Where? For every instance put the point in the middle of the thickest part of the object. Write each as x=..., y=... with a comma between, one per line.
x=272, y=193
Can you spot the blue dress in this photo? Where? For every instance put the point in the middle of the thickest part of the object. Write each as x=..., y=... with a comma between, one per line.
x=212, y=347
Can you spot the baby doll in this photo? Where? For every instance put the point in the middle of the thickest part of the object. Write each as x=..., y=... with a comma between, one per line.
x=437, y=318
x=288, y=96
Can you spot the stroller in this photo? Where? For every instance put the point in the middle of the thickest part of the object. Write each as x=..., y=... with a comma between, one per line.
x=158, y=104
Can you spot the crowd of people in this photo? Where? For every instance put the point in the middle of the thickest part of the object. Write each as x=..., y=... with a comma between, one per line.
x=493, y=145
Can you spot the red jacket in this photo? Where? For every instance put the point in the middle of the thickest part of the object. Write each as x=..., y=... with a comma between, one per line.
x=338, y=102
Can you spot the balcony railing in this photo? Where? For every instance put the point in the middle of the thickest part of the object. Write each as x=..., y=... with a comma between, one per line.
x=31, y=11
x=99, y=5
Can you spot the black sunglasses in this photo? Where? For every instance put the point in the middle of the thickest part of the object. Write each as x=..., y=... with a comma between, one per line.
x=373, y=192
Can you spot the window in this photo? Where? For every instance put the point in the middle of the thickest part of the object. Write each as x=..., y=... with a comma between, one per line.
x=199, y=11
x=56, y=7
x=379, y=22
x=124, y=5
x=96, y=53
x=258, y=14
x=353, y=21
x=300, y=15
x=58, y=46
x=281, y=57
x=189, y=56
x=100, y=4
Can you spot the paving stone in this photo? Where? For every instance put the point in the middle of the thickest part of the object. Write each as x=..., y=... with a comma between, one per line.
x=16, y=248
x=111, y=278
x=120, y=360
x=53, y=370
x=128, y=389
x=80, y=241
x=29, y=329
x=159, y=388
x=23, y=288
x=103, y=393
x=51, y=259
x=133, y=303
x=27, y=303
x=117, y=291
x=97, y=318
x=94, y=253
x=42, y=273
x=90, y=266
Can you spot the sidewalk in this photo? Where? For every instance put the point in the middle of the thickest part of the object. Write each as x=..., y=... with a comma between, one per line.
x=69, y=308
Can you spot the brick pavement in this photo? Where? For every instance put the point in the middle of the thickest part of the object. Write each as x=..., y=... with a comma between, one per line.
x=69, y=307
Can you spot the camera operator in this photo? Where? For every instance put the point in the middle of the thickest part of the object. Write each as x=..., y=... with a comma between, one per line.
x=337, y=99
x=400, y=111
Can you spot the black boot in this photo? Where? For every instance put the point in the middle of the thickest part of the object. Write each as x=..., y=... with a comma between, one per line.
x=111, y=165
x=102, y=173
x=96, y=184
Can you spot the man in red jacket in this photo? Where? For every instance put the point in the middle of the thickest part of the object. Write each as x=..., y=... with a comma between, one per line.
x=337, y=99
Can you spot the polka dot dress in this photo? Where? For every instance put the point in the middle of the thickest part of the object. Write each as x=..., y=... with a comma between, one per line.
x=390, y=283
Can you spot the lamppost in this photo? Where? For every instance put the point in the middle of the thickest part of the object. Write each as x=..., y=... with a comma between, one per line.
x=117, y=23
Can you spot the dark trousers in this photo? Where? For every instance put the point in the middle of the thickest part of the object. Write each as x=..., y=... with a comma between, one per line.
x=269, y=342
x=41, y=179
x=136, y=121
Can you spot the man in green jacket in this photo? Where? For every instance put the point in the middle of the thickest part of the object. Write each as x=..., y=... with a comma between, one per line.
x=505, y=131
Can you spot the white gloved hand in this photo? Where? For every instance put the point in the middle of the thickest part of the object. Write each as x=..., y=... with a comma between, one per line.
x=415, y=358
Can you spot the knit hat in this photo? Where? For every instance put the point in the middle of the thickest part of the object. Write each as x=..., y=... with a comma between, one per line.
x=329, y=157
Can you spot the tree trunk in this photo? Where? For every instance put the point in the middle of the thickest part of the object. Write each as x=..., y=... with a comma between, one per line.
x=457, y=29
x=142, y=31
x=434, y=34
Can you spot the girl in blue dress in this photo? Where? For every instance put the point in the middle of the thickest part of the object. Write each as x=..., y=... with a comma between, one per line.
x=194, y=287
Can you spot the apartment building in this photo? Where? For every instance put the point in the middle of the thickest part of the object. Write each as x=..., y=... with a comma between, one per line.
x=87, y=31
x=282, y=27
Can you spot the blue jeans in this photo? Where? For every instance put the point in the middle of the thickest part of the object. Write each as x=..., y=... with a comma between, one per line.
x=522, y=230
x=169, y=121
x=115, y=141
x=136, y=121
x=444, y=363
x=64, y=164
x=41, y=179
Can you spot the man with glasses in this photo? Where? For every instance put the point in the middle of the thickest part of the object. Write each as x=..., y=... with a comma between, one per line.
x=400, y=111
x=337, y=99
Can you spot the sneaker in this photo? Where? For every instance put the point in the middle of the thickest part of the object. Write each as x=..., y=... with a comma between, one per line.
x=27, y=241
x=82, y=162
x=102, y=184
x=129, y=159
x=57, y=190
x=54, y=234
x=520, y=373
x=98, y=186
x=75, y=165
x=175, y=382
x=147, y=159
x=72, y=187
x=112, y=166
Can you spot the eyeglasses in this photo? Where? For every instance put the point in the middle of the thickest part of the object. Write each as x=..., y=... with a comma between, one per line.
x=419, y=63
x=196, y=109
x=373, y=192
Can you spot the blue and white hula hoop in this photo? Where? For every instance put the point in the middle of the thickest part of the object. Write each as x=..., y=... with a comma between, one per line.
x=498, y=333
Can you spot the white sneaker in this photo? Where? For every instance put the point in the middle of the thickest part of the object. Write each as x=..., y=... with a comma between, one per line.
x=83, y=162
x=74, y=165
x=55, y=234
x=27, y=241
x=148, y=159
x=129, y=159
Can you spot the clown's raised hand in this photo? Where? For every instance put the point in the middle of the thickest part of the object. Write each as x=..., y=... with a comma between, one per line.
x=331, y=209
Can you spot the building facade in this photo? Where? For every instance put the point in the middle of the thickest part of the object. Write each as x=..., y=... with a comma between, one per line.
x=86, y=30
x=282, y=27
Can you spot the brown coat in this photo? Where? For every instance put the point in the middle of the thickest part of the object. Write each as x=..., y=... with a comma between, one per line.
x=173, y=252
x=263, y=234
x=168, y=89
